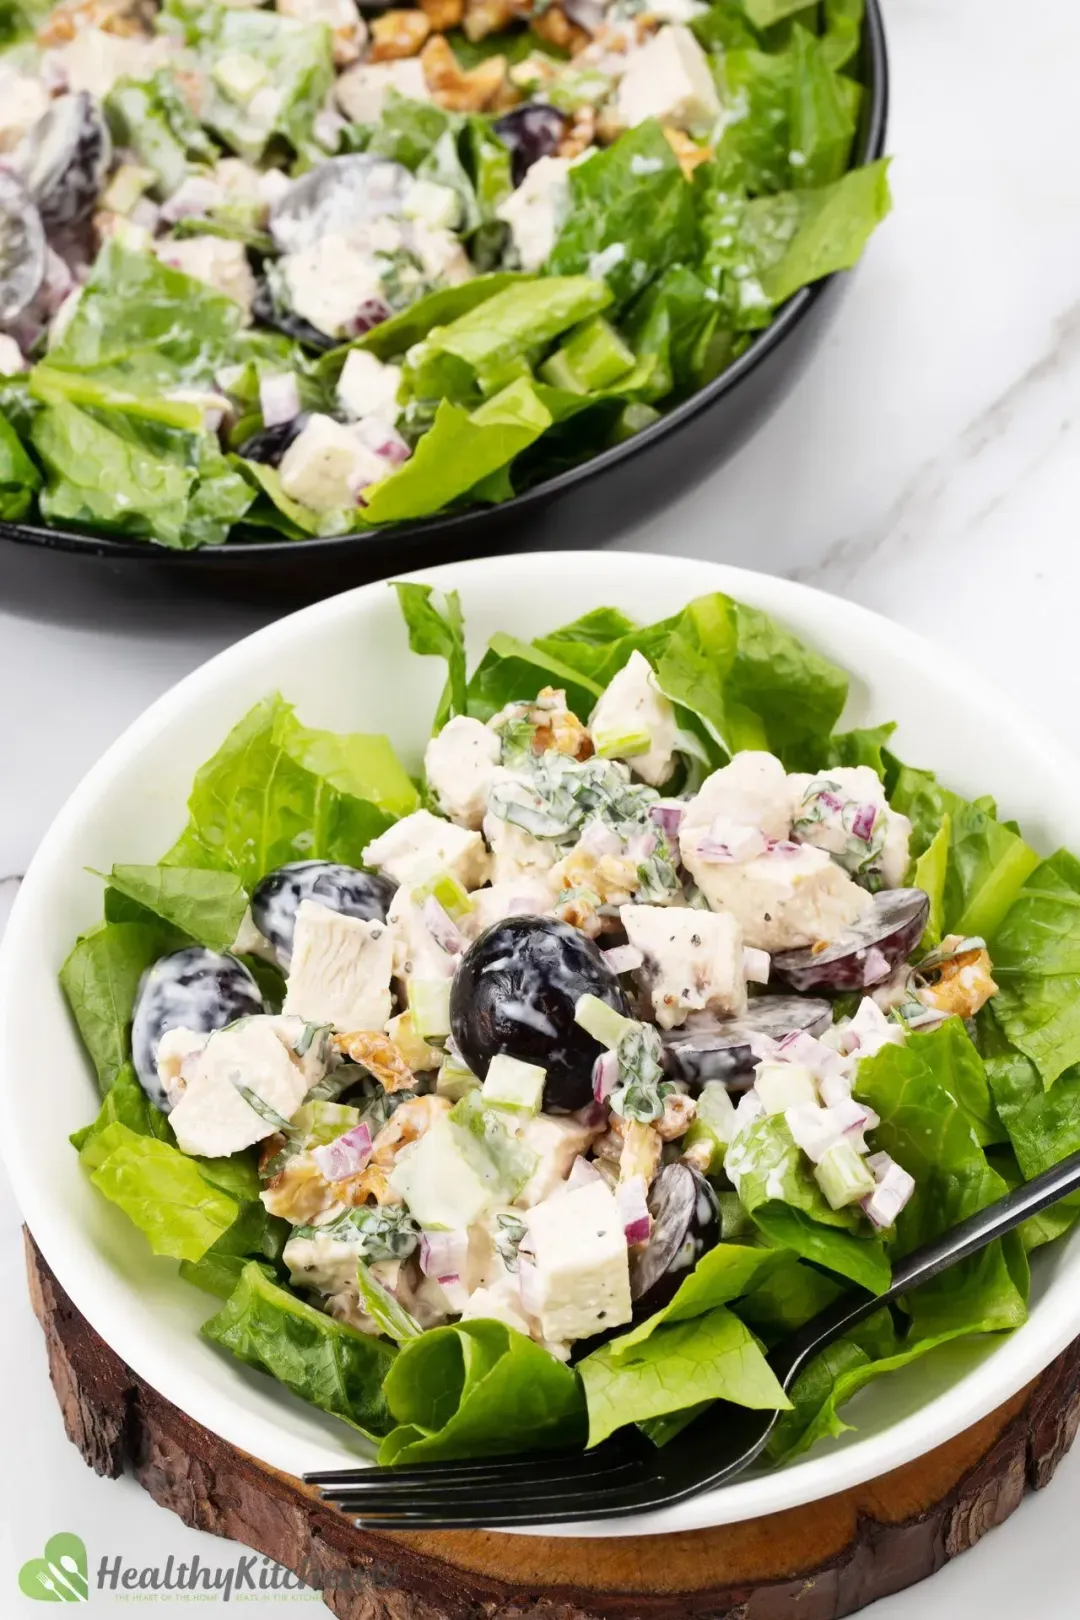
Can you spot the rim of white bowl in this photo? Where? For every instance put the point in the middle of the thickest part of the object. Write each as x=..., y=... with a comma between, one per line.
x=96, y=1294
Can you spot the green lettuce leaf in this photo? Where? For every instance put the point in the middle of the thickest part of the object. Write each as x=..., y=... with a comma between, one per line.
x=437, y=632
x=929, y=1095
x=100, y=980
x=383, y=1308
x=151, y=117
x=478, y=1389
x=931, y=871
x=723, y=1274
x=322, y=1360
x=160, y=1190
x=207, y=905
x=709, y=1358
x=126, y=1103
x=786, y=1297
x=672, y=323
x=630, y=203
x=1043, y=1125
x=512, y=669
x=824, y=108
x=392, y=338
x=278, y=791
x=1036, y=955
x=254, y=1235
x=777, y=1188
x=19, y=477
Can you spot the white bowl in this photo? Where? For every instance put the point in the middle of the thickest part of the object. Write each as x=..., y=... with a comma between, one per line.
x=345, y=664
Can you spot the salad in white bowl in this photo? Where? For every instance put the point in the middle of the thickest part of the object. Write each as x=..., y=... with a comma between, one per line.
x=537, y=1097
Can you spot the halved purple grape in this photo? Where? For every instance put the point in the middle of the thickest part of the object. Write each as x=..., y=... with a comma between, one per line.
x=720, y=1049
x=686, y=1225
x=276, y=898
x=22, y=248
x=530, y=132
x=515, y=991
x=64, y=158
x=341, y=193
x=867, y=953
x=195, y=989
x=270, y=444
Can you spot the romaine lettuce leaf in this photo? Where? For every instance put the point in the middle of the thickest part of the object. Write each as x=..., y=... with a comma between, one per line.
x=277, y=791
x=929, y=1094
x=709, y=1358
x=254, y=1235
x=478, y=1389
x=630, y=214
x=929, y=875
x=381, y=1305
x=777, y=1188
x=1036, y=956
x=824, y=108
x=126, y=1103
x=100, y=980
x=160, y=1190
x=725, y=1273
x=672, y=322
x=1043, y=1124
x=392, y=338
x=786, y=1297
x=19, y=477
x=151, y=117
x=322, y=1360
x=511, y=669
x=208, y=905
x=438, y=633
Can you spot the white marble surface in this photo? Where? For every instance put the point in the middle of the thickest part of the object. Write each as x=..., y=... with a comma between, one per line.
x=926, y=466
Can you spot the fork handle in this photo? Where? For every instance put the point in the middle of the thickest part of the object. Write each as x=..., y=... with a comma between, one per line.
x=967, y=1238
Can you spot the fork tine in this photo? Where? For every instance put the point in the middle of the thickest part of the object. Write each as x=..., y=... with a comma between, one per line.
x=480, y=1469
x=487, y=1512
x=390, y=1496
x=588, y=1466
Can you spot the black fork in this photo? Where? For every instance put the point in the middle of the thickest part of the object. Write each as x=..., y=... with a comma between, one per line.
x=627, y=1474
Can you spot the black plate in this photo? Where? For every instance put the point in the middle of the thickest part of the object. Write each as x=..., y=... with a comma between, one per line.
x=584, y=506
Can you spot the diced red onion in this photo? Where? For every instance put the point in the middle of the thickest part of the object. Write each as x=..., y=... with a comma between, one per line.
x=835, y=1090
x=599, y=839
x=641, y=846
x=756, y=965
x=889, y=1197
x=853, y=1119
x=829, y=800
x=605, y=1076
x=783, y=846
x=345, y=1156
x=762, y=1047
x=668, y=817
x=731, y=841
x=279, y=398
x=814, y=1130
x=632, y=1199
x=878, y=1163
x=876, y=967
x=442, y=927
x=582, y=1171
x=372, y=312
x=862, y=822
x=196, y=195
x=870, y=1030
x=382, y=437
x=802, y=1047
x=443, y=1254
x=623, y=958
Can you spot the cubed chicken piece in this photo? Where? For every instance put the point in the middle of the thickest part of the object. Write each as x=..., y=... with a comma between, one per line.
x=669, y=79
x=515, y=852
x=535, y=210
x=693, y=961
x=362, y=90
x=421, y=846
x=329, y=282
x=243, y=1083
x=23, y=100
x=326, y=467
x=441, y=255
x=347, y=28
x=752, y=791
x=845, y=811
x=321, y=1262
x=517, y=897
x=223, y=265
x=635, y=722
x=786, y=899
x=369, y=387
x=417, y=953
x=460, y=764
x=340, y=971
x=557, y=1141
x=94, y=60
x=579, y=1282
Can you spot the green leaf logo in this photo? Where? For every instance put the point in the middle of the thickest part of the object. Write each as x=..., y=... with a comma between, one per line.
x=60, y=1575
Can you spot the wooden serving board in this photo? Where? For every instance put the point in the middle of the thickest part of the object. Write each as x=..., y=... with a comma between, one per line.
x=812, y=1563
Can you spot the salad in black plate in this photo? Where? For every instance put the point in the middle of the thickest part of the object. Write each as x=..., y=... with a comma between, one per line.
x=537, y=1097
x=304, y=272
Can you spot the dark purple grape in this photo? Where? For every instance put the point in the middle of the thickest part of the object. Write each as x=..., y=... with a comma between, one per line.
x=867, y=953
x=271, y=443
x=276, y=898
x=530, y=132
x=341, y=193
x=686, y=1225
x=191, y=989
x=720, y=1049
x=64, y=158
x=22, y=249
x=515, y=992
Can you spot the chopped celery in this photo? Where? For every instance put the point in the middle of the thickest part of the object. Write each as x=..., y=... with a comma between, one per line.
x=713, y=1124
x=513, y=1084
x=602, y=1022
x=455, y=1079
x=622, y=744
x=596, y=355
x=842, y=1176
x=634, y=417
x=448, y=892
x=429, y=1003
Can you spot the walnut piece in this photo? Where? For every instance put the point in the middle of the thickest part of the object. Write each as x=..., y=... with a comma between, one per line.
x=454, y=88
x=964, y=984
x=443, y=14
x=397, y=34
x=555, y=27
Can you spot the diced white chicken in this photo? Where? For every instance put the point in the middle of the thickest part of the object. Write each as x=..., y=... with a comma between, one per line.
x=517, y=897
x=369, y=387
x=329, y=281
x=750, y=792
x=783, y=900
x=417, y=954
x=441, y=255
x=669, y=79
x=340, y=970
x=845, y=811
x=501, y=1302
x=347, y=28
x=361, y=91
x=535, y=210
x=693, y=961
x=177, y=1053
x=579, y=1274
x=322, y=1262
x=94, y=60
x=421, y=846
x=438, y=207
x=326, y=467
x=460, y=763
x=23, y=99
x=213, y=1116
x=223, y=265
x=515, y=852
x=11, y=356
x=557, y=1140
x=635, y=722
x=307, y=1040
